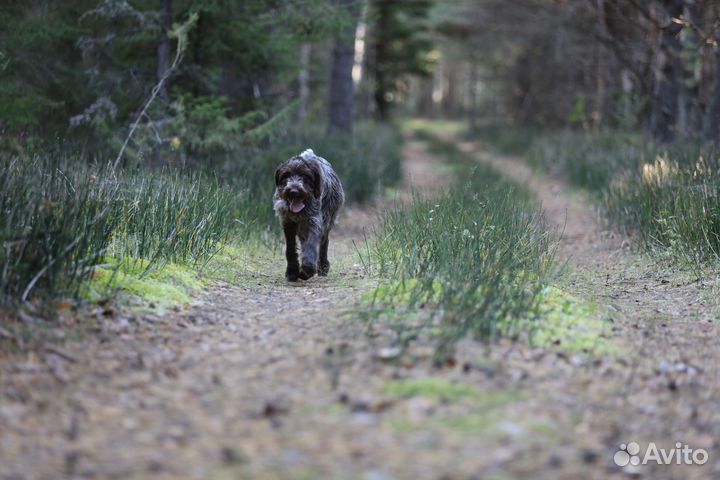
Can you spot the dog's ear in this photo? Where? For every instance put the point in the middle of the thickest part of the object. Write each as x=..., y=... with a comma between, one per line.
x=278, y=172
x=317, y=179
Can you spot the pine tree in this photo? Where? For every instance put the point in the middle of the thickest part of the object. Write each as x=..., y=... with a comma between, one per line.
x=400, y=39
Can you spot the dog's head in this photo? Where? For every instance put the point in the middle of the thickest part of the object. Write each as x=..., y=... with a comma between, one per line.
x=298, y=180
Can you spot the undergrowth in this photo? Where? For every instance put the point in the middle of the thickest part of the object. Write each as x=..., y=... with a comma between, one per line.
x=478, y=255
x=63, y=214
x=666, y=196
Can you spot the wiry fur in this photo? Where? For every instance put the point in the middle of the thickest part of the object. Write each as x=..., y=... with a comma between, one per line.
x=309, y=179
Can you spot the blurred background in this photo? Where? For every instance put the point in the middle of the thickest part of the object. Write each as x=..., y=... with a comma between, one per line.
x=221, y=91
x=82, y=69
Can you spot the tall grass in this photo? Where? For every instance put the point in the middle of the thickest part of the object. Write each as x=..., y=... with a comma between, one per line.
x=673, y=204
x=61, y=214
x=667, y=196
x=61, y=217
x=55, y=223
x=479, y=254
x=174, y=216
x=590, y=161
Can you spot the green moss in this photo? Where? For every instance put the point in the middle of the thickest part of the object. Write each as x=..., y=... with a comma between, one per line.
x=336, y=409
x=472, y=423
x=570, y=323
x=250, y=262
x=564, y=321
x=481, y=419
x=241, y=263
x=547, y=430
x=167, y=285
x=170, y=284
x=436, y=388
x=404, y=292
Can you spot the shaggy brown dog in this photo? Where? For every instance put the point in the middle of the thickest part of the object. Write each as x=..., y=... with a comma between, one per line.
x=308, y=197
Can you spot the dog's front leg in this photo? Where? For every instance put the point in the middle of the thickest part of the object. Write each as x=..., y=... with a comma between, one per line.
x=324, y=265
x=310, y=253
x=293, y=268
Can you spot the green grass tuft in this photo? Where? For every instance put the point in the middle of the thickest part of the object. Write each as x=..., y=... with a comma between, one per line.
x=479, y=254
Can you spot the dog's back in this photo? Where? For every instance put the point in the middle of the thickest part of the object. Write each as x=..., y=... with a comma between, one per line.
x=333, y=195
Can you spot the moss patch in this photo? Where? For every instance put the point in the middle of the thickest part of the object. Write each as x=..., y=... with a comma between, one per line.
x=173, y=284
x=436, y=388
x=404, y=292
x=482, y=409
x=563, y=322
x=243, y=263
x=570, y=323
x=165, y=285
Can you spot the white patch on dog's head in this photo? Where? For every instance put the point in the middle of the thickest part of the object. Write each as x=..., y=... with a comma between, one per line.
x=307, y=154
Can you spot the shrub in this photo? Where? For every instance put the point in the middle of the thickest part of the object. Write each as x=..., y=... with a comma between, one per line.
x=672, y=205
x=55, y=223
x=665, y=195
x=62, y=214
x=479, y=253
x=586, y=160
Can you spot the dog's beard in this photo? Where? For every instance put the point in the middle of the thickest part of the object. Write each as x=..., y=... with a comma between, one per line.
x=296, y=206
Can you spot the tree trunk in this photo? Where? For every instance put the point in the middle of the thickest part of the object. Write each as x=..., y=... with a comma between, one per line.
x=382, y=89
x=304, y=81
x=341, y=81
x=425, y=101
x=629, y=115
x=165, y=47
x=472, y=97
x=689, y=117
x=449, y=100
x=712, y=121
x=598, y=113
x=667, y=87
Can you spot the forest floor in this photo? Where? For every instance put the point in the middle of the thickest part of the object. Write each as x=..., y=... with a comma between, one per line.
x=266, y=379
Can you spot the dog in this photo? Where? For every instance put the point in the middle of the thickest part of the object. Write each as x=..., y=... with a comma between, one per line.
x=308, y=196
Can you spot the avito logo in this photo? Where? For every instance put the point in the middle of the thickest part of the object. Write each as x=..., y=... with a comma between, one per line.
x=680, y=455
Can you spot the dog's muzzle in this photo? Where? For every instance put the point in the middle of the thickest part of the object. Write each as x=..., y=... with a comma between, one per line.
x=295, y=201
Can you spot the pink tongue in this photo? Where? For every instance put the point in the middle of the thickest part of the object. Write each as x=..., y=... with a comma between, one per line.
x=296, y=206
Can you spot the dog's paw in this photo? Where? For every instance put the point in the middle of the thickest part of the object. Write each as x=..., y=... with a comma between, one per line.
x=307, y=271
x=292, y=274
x=324, y=268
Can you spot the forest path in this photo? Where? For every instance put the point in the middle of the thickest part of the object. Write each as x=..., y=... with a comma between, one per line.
x=269, y=380
x=664, y=387
x=246, y=384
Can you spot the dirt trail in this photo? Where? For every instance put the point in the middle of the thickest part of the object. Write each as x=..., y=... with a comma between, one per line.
x=272, y=380
x=664, y=388
x=241, y=385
